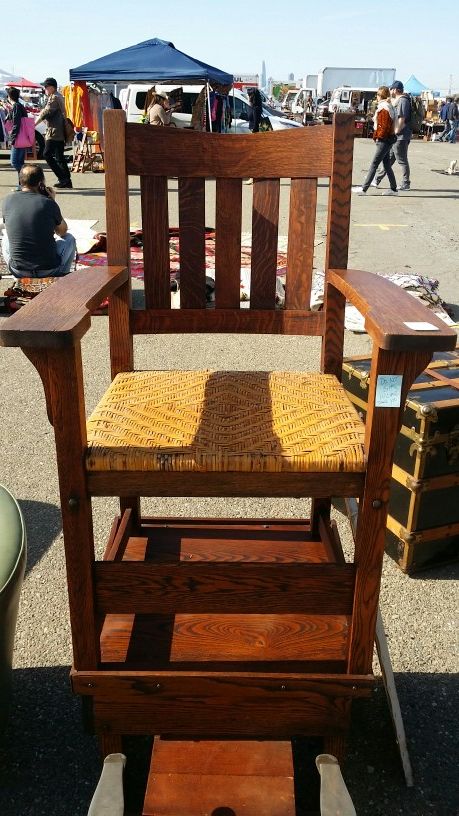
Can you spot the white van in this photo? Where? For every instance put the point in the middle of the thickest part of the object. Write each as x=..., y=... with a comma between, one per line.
x=346, y=99
x=133, y=102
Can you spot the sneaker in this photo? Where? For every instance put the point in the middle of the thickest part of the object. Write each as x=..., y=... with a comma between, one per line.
x=64, y=185
x=374, y=183
x=16, y=189
x=404, y=188
x=359, y=191
x=390, y=192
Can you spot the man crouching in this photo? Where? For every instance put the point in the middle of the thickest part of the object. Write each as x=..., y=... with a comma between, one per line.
x=35, y=242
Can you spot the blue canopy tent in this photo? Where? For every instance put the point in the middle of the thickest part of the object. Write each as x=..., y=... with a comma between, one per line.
x=152, y=60
x=413, y=86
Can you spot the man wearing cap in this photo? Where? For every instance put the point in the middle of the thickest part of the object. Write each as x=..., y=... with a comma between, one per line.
x=54, y=114
x=403, y=130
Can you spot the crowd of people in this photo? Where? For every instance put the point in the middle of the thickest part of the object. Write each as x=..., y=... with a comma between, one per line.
x=449, y=115
x=36, y=241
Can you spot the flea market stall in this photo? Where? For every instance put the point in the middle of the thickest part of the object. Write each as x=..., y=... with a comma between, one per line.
x=152, y=61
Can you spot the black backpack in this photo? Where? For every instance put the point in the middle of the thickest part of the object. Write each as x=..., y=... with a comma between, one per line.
x=417, y=113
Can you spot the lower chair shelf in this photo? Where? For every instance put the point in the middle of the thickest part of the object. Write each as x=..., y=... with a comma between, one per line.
x=231, y=638
x=222, y=627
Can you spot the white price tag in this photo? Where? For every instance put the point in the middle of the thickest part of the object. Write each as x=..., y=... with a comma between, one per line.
x=421, y=326
x=388, y=391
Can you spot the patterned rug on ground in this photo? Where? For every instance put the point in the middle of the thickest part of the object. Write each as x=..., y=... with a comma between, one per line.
x=99, y=257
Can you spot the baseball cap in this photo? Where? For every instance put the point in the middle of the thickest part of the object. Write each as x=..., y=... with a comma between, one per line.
x=397, y=86
x=49, y=81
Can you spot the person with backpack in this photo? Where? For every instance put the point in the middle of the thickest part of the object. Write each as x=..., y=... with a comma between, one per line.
x=384, y=138
x=403, y=130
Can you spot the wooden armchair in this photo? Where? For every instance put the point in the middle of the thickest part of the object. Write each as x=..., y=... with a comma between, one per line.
x=224, y=628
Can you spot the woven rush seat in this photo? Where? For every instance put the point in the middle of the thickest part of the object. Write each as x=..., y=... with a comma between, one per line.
x=225, y=421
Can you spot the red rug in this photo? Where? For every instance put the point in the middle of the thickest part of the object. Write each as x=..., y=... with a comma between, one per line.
x=99, y=258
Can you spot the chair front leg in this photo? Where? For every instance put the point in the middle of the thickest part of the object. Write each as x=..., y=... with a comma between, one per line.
x=382, y=426
x=66, y=398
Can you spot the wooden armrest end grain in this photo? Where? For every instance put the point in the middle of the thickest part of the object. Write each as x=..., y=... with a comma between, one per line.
x=61, y=314
x=386, y=309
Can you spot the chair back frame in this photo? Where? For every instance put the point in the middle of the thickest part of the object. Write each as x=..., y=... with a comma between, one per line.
x=157, y=154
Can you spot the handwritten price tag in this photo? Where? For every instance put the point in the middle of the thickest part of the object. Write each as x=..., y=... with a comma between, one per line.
x=388, y=391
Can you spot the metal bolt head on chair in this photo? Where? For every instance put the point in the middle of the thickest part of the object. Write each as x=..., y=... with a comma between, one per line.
x=224, y=628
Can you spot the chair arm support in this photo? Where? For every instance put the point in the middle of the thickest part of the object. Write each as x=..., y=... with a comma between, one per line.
x=60, y=315
x=386, y=307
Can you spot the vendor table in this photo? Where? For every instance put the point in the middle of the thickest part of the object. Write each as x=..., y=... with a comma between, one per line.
x=429, y=128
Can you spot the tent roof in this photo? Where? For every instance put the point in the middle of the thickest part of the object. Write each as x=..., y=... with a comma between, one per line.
x=152, y=60
x=413, y=86
x=22, y=82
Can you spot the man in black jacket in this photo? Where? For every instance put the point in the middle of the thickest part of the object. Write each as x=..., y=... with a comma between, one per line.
x=453, y=119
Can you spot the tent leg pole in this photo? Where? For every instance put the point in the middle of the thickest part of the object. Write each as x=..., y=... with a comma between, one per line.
x=209, y=112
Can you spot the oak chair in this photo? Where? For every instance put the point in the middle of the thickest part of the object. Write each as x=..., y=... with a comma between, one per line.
x=213, y=628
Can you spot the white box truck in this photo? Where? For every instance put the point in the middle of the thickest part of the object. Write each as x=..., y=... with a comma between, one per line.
x=330, y=78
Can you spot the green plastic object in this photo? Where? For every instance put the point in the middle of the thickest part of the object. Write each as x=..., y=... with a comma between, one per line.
x=13, y=553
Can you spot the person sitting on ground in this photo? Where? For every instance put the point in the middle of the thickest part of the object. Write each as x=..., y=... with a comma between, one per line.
x=35, y=242
x=159, y=112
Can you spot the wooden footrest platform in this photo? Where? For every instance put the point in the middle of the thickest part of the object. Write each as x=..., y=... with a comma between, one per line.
x=200, y=778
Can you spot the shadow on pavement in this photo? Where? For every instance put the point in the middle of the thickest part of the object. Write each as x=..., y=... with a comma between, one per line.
x=49, y=765
x=43, y=524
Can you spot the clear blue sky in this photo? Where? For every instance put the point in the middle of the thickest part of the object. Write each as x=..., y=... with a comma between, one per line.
x=413, y=36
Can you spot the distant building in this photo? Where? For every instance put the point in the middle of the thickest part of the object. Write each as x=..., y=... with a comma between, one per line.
x=291, y=77
x=263, y=75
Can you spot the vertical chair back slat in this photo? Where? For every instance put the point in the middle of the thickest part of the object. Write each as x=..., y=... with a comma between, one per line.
x=228, y=224
x=339, y=209
x=300, y=253
x=192, y=221
x=265, y=222
x=155, y=229
x=339, y=200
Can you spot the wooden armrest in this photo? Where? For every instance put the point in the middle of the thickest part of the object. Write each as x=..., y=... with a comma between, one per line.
x=386, y=307
x=61, y=314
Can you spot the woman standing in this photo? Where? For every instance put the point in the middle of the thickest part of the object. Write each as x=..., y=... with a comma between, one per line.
x=384, y=137
x=256, y=109
x=159, y=113
x=16, y=113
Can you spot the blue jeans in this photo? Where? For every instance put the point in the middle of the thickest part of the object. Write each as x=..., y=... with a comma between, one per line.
x=65, y=248
x=453, y=125
x=382, y=154
x=399, y=152
x=445, y=132
x=18, y=158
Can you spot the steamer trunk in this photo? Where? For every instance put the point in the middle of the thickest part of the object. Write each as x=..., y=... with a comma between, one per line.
x=423, y=521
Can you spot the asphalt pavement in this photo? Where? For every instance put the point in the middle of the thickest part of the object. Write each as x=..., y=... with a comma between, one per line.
x=49, y=764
